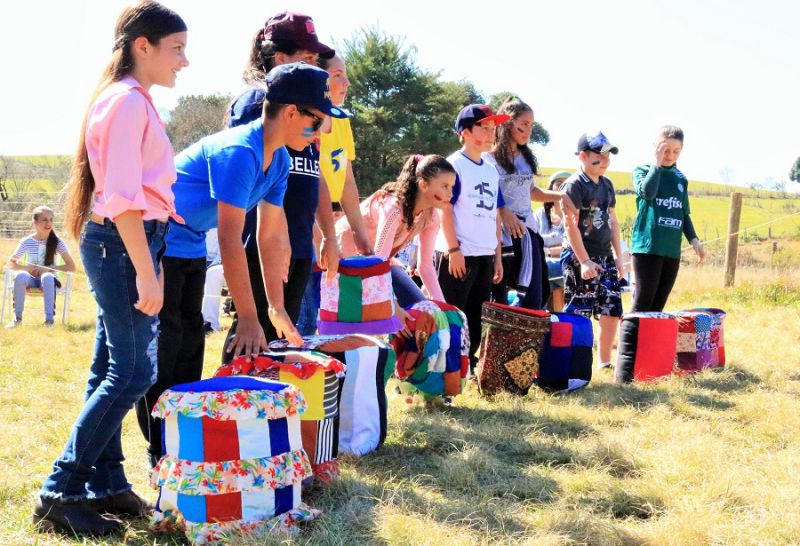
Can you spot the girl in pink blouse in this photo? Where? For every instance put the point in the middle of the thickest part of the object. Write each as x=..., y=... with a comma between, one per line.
x=119, y=199
x=400, y=211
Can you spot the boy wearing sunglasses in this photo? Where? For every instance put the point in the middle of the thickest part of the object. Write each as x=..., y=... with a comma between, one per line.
x=591, y=275
x=220, y=178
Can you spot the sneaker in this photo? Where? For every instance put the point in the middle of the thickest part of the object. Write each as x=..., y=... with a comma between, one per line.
x=77, y=517
x=207, y=328
x=49, y=323
x=124, y=505
x=13, y=324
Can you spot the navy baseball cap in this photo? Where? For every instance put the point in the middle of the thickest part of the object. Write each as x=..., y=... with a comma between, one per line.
x=596, y=142
x=298, y=29
x=301, y=83
x=476, y=113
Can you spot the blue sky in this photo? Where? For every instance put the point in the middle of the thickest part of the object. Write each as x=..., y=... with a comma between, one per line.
x=727, y=72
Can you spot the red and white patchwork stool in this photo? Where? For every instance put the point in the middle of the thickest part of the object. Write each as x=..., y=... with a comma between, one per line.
x=647, y=343
x=234, y=459
x=701, y=344
x=317, y=376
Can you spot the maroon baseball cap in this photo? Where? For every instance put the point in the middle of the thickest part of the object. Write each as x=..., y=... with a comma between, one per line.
x=298, y=29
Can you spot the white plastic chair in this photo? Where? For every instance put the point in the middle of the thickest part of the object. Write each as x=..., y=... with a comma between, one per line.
x=8, y=294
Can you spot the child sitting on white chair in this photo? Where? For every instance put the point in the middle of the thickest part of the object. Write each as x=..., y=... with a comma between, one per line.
x=33, y=265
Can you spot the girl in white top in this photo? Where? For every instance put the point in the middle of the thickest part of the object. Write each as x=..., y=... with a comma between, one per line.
x=38, y=270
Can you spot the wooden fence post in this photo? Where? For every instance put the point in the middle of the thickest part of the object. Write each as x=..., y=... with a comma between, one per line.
x=733, y=238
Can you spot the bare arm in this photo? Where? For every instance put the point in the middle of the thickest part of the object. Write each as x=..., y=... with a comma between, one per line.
x=615, y=241
x=249, y=338
x=69, y=264
x=131, y=230
x=589, y=269
x=457, y=265
x=275, y=252
x=350, y=206
x=544, y=196
x=329, y=253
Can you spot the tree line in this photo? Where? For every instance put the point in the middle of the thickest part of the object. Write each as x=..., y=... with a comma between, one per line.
x=398, y=108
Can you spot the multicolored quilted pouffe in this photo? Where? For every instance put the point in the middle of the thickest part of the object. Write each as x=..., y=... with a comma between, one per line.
x=317, y=376
x=234, y=459
x=359, y=299
x=647, y=343
x=511, y=342
x=362, y=397
x=701, y=343
x=436, y=359
x=566, y=361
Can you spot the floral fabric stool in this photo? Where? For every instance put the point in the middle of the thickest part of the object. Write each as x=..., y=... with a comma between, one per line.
x=566, y=361
x=435, y=360
x=511, y=343
x=700, y=339
x=362, y=393
x=359, y=299
x=317, y=376
x=233, y=462
x=647, y=343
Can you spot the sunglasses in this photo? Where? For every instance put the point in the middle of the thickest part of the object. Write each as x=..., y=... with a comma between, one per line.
x=317, y=123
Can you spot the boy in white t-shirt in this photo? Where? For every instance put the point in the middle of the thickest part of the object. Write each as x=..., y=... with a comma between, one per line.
x=468, y=244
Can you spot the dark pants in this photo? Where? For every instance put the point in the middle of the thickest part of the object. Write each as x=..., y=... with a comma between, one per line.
x=536, y=294
x=468, y=293
x=655, y=277
x=299, y=271
x=181, y=340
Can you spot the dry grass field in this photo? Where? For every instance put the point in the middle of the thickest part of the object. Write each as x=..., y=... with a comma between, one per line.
x=708, y=459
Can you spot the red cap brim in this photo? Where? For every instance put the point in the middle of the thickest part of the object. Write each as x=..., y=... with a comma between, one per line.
x=498, y=119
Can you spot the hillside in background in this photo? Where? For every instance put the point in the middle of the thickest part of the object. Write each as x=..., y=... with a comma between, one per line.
x=32, y=180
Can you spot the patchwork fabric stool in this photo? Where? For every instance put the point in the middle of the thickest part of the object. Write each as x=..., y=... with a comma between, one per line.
x=511, y=342
x=647, y=343
x=362, y=393
x=317, y=376
x=233, y=461
x=435, y=360
x=701, y=343
x=359, y=299
x=566, y=360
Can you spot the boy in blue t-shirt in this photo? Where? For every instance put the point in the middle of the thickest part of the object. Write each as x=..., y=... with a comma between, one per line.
x=220, y=178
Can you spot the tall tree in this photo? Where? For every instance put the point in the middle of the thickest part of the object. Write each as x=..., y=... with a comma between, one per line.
x=539, y=135
x=194, y=117
x=794, y=172
x=398, y=108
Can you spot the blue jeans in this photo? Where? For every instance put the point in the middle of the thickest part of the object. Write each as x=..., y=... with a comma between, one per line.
x=47, y=282
x=309, y=307
x=123, y=368
x=405, y=289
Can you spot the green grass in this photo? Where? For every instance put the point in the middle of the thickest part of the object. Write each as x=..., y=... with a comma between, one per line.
x=710, y=459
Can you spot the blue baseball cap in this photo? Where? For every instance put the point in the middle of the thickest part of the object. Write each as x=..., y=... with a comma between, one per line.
x=596, y=142
x=303, y=84
x=475, y=114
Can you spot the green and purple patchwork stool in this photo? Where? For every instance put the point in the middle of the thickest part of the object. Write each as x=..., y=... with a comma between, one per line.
x=234, y=460
x=359, y=299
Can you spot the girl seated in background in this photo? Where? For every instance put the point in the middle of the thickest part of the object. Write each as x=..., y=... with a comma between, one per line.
x=34, y=263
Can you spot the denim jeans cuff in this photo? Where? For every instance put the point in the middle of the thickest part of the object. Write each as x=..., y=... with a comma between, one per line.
x=110, y=492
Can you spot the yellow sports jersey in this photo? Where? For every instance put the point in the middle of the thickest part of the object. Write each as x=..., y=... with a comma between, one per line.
x=336, y=149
